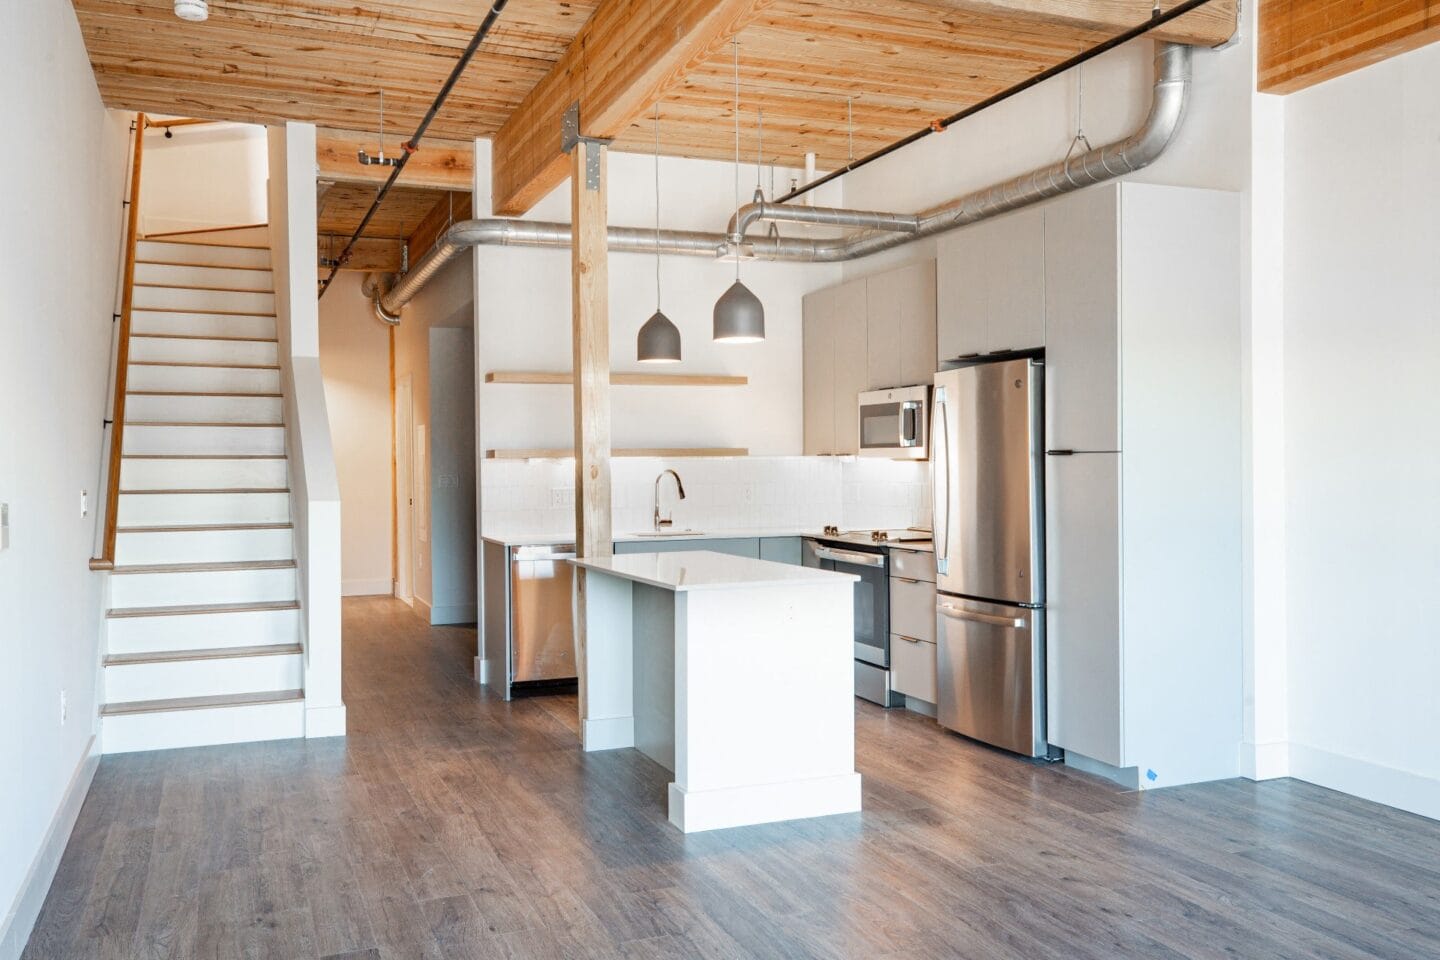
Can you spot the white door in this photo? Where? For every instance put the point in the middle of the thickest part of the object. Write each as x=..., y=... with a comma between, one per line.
x=404, y=493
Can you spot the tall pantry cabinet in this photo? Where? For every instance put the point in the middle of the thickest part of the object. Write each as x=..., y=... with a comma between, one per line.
x=1142, y=422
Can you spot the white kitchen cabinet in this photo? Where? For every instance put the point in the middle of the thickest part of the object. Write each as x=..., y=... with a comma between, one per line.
x=900, y=326
x=1082, y=332
x=912, y=668
x=990, y=286
x=912, y=608
x=850, y=347
x=1143, y=543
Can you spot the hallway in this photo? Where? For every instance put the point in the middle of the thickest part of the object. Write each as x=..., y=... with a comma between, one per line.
x=451, y=825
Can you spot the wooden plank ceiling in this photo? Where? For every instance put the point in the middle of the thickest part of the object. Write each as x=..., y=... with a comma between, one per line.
x=899, y=63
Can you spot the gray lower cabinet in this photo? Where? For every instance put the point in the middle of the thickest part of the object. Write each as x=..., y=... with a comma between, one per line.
x=912, y=624
x=737, y=546
x=912, y=667
x=780, y=549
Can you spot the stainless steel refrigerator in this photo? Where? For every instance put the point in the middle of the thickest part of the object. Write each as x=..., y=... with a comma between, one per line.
x=987, y=450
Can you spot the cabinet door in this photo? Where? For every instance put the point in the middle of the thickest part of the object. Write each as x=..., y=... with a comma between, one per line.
x=1082, y=322
x=883, y=330
x=739, y=546
x=1015, y=276
x=780, y=549
x=852, y=368
x=1082, y=608
x=960, y=293
x=818, y=372
x=917, y=323
x=912, y=668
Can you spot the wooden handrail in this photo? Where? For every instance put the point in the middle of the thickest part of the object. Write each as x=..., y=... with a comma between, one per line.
x=106, y=560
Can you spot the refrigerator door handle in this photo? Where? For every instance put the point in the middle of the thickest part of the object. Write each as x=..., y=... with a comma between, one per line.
x=957, y=613
x=940, y=425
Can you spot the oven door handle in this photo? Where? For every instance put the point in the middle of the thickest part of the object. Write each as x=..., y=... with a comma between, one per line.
x=956, y=613
x=849, y=556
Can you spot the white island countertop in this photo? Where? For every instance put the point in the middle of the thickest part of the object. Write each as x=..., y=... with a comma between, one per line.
x=706, y=570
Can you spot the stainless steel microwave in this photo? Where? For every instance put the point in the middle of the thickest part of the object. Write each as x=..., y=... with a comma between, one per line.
x=895, y=423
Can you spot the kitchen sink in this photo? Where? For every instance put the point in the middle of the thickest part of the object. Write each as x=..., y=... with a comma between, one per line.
x=667, y=533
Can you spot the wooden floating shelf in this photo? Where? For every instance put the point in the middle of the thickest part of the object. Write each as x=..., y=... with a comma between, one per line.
x=560, y=453
x=622, y=379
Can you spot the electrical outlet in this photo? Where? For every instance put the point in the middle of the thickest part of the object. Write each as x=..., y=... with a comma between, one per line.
x=84, y=503
x=562, y=496
x=4, y=526
x=64, y=707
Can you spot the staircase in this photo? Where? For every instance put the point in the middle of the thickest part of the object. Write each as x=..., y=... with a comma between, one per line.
x=203, y=628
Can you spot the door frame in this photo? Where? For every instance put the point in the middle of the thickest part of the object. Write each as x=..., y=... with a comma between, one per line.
x=404, y=489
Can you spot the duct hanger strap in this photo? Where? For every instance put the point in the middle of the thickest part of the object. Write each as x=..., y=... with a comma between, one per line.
x=570, y=136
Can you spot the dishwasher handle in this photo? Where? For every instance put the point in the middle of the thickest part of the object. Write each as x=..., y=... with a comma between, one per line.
x=848, y=556
x=959, y=613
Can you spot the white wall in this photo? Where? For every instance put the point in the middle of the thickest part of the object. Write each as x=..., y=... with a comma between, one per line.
x=355, y=362
x=523, y=322
x=1362, y=469
x=61, y=210
x=211, y=175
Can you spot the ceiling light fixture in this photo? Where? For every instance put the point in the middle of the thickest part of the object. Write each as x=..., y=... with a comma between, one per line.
x=659, y=338
x=739, y=315
x=192, y=10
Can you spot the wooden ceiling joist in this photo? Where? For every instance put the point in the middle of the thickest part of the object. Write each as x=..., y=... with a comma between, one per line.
x=626, y=56
x=449, y=208
x=439, y=164
x=1304, y=42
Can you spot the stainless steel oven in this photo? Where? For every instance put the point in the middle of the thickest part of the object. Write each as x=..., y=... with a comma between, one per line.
x=872, y=610
x=894, y=423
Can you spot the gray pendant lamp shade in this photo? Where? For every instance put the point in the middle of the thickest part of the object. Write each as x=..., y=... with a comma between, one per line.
x=739, y=316
x=659, y=340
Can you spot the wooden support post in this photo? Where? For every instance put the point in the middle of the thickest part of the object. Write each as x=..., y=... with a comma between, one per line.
x=590, y=335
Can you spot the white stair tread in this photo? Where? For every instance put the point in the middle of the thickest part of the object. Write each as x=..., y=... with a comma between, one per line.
x=202, y=703
x=203, y=527
x=198, y=393
x=198, y=336
x=199, y=423
x=203, y=456
x=209, y=653
x=202, y=609
x=208, y=490
x=142, y=568
x=204, y=363
x=181, y=263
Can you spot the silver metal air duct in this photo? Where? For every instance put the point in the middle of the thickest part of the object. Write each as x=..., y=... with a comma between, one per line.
x=882, y=230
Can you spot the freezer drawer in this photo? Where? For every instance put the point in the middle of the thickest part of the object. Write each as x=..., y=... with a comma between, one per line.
x=990, y=673
x=912, y=608
x=912, y=667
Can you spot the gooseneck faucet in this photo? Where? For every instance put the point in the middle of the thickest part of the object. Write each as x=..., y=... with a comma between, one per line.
x=679, y=488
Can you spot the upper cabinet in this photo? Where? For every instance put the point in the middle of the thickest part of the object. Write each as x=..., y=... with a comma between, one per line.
x=991, y=286
x=866, y=334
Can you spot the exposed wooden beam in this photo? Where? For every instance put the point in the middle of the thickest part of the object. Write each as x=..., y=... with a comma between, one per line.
x=1303, y=42
x=378, y=254
x=1212, y=24
x=449, y=208
x=626, y=56
x=440, y=164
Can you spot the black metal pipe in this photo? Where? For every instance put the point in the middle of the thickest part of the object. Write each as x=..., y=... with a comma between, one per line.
x=1157, y=20
x=413, y=144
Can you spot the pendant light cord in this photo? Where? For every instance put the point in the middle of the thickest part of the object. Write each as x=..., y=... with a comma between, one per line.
x=735, y=42
x=657, y=206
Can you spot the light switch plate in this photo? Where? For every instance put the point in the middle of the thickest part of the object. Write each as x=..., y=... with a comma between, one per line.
x=4, y=526
x=84, y=503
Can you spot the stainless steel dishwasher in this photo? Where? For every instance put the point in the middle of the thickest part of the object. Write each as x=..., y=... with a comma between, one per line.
x=542, y=658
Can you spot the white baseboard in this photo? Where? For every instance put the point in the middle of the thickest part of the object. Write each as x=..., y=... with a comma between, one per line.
x=1265, y=761
x=482, y=671
x=1402, y=789
x=609, y=733
x=452, y=613
x=763, y=803
x=366, y=588
x=421, y=607
x=20, y=919
x=1127, y=777
x=324, y=721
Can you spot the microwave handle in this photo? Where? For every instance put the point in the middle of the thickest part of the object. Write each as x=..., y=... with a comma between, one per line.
x=910, y=423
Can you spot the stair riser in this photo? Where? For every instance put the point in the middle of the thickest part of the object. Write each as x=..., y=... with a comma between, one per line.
x=203, y=300
x=202, y=379
x=199, y=254
x=141, y=439
x=192, y=631
x=201, y=474
x=202, y=678
x=212, y=409
x=211, y=586
x=202, y=324
x=204, y=546
x=162, y=509
x=227, y=278
x=239, y=352
x=196, y=728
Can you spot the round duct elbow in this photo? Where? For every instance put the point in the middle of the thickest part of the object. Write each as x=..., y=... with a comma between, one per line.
x=385, y=316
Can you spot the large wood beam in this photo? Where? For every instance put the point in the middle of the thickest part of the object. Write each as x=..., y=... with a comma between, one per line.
x=1303, y=42
x=1212, y=24
x=441, y=164
x=626, y=56
x=449, y=208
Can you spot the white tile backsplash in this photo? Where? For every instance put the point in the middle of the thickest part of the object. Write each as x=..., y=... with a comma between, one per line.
x=519, y=497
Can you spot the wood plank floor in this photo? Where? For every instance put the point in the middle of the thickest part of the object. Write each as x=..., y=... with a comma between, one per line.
x=451, y=825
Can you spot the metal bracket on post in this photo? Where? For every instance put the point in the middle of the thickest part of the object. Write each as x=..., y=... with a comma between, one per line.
x=570, y=135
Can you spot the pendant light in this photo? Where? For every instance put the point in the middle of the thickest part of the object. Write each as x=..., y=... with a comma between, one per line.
x=739, y=316
x=659, y=339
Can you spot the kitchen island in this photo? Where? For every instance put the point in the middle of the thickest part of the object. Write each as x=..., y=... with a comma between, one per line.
x=726, y=671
